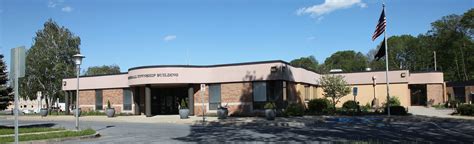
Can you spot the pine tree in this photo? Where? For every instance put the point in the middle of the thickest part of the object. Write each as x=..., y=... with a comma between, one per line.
x=5, y=91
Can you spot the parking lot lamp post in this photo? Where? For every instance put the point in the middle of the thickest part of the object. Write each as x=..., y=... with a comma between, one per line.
x=38, y=97
x=78, y=60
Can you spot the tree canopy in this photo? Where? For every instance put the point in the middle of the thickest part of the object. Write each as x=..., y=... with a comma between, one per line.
x=306, y=62
x=102, y=70
x=451, y=37
x=348, y=61
x=334, y=87
x=48, y=61
x=5, y=91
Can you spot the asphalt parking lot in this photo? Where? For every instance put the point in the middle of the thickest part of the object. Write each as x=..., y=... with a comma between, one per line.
x=374, y=129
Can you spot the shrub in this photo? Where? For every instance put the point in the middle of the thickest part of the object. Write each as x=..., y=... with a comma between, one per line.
x=365, y=108
x=294, y=110
x=108, y=105
x=269, y=105
x=453, y=103
x=466, y=109
x=350, y=106
x=396, y=110
x=394, y=101
x=319, y=106
x=91, y=113
x=183, y=104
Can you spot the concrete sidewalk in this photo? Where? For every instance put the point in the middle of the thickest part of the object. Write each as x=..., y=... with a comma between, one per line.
x=6, y=120
x=433, y=112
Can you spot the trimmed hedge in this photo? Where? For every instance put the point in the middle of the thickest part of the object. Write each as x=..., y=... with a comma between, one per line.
x=350, y=106
x=294, y=110
x=466, y=109
x=397, y=110
x=319, y=106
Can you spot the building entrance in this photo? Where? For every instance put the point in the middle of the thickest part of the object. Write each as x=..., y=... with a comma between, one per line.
x=418, y=95
x=166, y=100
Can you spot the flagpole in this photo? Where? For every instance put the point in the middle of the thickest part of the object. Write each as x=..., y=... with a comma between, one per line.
x=386, y=63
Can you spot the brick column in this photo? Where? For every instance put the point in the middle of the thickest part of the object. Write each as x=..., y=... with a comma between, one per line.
x=191, y=99
x=136, y=100
x=67, y=95
x=148, y=101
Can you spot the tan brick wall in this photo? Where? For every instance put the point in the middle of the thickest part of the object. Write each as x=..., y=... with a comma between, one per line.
x=236, y=92
x=198, y=99
x=366, y=94
x=435, y=92
x=237, y=96
x=449, y=92
x=468, y=91
x=87, y=97
x=115, y=96
x=291, y=92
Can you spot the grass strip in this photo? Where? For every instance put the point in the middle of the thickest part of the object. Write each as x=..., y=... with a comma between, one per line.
x=7, y=131
x=51, y=135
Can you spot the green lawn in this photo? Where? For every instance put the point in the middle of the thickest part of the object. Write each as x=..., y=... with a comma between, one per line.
x=6, y=131
x=51, y=135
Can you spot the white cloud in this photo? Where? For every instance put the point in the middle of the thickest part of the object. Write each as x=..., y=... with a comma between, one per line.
x=54, y=3
x=311, y=38
x=67, y=9
x=329, y=6
x=169, y=37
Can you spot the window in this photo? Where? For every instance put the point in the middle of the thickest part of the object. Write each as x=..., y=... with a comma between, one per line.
x=127, y=99
x=259, y=94
x=98, y=100
x=214, y=96
x=306, y=93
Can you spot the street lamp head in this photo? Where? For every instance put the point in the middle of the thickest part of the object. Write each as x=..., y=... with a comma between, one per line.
x=78, y=58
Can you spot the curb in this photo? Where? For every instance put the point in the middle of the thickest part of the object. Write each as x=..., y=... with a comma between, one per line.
x=96, y=135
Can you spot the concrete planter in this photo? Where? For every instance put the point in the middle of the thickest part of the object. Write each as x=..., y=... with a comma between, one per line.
x=270, y=114
x=222, y=113
x=44, y=112
x=110, y=112
x=79, y=114
x=184, y=113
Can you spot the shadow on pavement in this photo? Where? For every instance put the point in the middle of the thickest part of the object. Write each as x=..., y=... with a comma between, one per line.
x=374, y=130
x=28, y=125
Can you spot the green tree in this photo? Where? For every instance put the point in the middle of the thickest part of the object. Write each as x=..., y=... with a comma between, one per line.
x=334, y=87
x=450, y=37
x=348, y=61
x=306, y=62
x=48, y=61
x=102, y=70
x=452, y=40
x=5, y=91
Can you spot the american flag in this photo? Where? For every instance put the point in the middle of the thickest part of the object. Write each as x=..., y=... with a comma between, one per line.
x=380, y=26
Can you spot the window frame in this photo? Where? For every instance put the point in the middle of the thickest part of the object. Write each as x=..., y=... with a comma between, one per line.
x=124, y=104
x=99, y=93
x=213, y=87
x=259, y=105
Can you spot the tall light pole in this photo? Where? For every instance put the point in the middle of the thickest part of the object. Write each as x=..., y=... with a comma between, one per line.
x=78, y=60
x=38, y=97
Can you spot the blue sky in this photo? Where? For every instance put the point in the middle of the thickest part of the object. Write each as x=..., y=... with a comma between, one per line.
x=148, y=32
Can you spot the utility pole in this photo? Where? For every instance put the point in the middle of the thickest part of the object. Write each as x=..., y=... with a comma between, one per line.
x=435, y=67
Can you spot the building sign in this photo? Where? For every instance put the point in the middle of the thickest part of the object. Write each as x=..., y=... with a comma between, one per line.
x=157, y=75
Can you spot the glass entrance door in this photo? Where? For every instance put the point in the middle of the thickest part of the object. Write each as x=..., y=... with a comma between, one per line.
x=167, y=101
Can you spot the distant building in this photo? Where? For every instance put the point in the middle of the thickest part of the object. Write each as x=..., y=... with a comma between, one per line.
x=243, y=87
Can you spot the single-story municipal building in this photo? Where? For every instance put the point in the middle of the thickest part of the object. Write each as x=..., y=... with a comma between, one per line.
x=243, y=87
